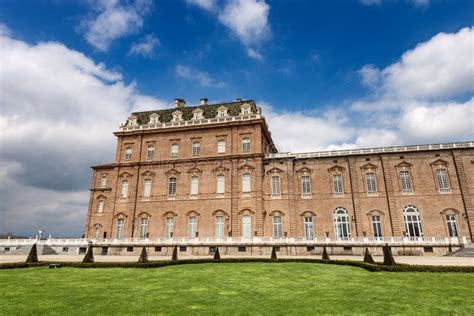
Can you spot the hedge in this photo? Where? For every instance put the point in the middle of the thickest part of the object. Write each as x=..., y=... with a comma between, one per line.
x=164, y=263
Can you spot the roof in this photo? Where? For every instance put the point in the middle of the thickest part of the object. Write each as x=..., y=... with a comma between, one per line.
x=210, y=111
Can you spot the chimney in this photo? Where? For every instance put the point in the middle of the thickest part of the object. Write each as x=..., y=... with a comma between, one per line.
x=238, y=100
x=203, y=101
x=179, y=103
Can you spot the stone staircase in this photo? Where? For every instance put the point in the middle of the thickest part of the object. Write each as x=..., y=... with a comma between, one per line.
x=467, y=251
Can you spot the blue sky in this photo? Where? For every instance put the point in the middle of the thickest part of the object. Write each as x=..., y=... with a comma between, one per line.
x=328, y=75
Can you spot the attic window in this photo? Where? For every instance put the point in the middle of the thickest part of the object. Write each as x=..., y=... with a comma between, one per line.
x=154, y=118
x=245, y=109
x=177, y=116
x=132, y=120
x=222, y=111
x=197, y=114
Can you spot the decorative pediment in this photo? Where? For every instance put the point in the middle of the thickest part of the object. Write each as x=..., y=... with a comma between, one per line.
x=447, y=211
x=198, y=114
x=246, y=212
x=143, y=214
x=173, y=172
x=177, y=115
x=275, y=170
x=220, y=213
x=154, y=118
x=222, y=111
x=148, y=173
x=125, y=174
x=120, y=214
x=192, y=213
x=303, y=170
x=170, y=214
x=194, y=170
x=369, y=166
x=439, y=162
x=132, y=120
x=375, y=212
x=220, y=169
x=276, y=213
x=307, y=213
x=245, y=109
x=403, y=164
x=246, y=167
x=336, y=168
x=97, y=225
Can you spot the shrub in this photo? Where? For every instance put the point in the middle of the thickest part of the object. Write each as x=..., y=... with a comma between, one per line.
x=217, y=255
x=274, y=253
x=143, y=256
x=89, y=257
x=388, y=259
x=174, y=256
x=325, y=254
x=33, y=255
x=368, y=257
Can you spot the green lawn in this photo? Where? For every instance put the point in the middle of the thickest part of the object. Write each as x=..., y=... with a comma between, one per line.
x=233, y=288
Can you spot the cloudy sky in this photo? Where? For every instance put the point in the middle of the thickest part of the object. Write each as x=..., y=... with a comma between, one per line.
x=328, y=74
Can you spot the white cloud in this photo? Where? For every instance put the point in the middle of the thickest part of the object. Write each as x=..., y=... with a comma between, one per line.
x=254, y=54
x=371, y=76
x=416, y=3
x=145, y=46
x=113, y=19
x=203, y=4
x=203, y=78
x=58, y=109
x=4, y=30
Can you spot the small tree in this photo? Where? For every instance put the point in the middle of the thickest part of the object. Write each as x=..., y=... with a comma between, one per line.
x=33, y=255
x=217, y=255
x=174, y=256
x=143, y=256
x=89, y=257
x=388, y=259
x=325, y=254
x=367, y=256
x=274, y=253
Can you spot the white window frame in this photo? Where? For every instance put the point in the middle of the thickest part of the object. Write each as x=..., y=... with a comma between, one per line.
x=128, y=153
x=169, y=226
x=192, y=226
x=246, y=145
x=124, y=189
x=172, y=186
x=276, y=186
x=338, y=184
x=377, y=225
x=150, y=152
x=220, y=221
x=147, y=185
x=371, y=183
x=220, y=184
x=342, y=223
x=406, y=182
x=143, y=227
x=196, y=149
x=308, y=228
x=277, y=227
x=443, y=180
x=221, y=146
x=452, y=224
x=97, y=232
x=246, y=226
x=194, y=181
x=412, y=220
x=120, y=228
x=174, y=150
x=305, y=185
x=246, y=183
x=101, y=206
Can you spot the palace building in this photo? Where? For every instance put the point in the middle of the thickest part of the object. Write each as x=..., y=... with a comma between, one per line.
x=212, y=172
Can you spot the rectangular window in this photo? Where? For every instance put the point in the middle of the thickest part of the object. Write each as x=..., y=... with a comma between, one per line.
x=196, y=149
x=306, y=185
x=376, y=226
x=147, y=188
x=246, y=226
x=221, y=146
x=443, y=182
x=124, y=193
x=172, y=186
x=405, y=181
x=169, y=226
x=128, y=153
x=100, y=206
x=246, y=182
x=150, y=152
x=192, y=227
x=371, y=183
x=103, y=181
x=276, y=186
x=337, y=183
x=143, y=228
x=277, y=229
x=246, y=145
x=194, y=185
x=452, y=225
x=219, y=226
x=120, y=227
x=174, y=150
x=220, y=184
x=308, y=228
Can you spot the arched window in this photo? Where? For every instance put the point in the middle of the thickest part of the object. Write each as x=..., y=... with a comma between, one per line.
x=120, y=228
x=277, y=229
x=308, y=228
x=342, y=225
x=169, y=226
x=97, y=232
x=452, y=225
x=219, y=226
x=192, y=227
x=411, y=216
x=143, y=227
x=246, y=226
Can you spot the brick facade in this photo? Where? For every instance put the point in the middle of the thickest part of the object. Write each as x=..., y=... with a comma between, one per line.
x=265, y=206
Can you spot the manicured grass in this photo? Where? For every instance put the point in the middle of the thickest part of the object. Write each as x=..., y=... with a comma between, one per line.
x=233, y=288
